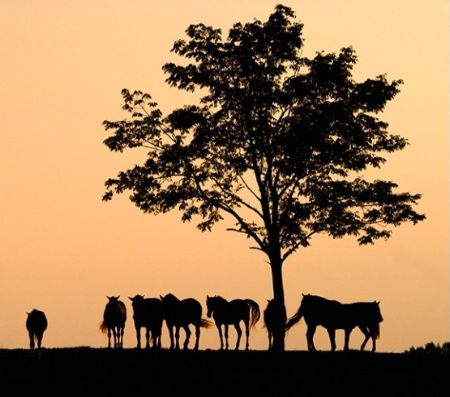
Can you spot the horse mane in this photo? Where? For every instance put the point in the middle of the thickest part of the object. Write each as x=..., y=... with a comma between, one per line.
x=219, y=298
x=170, y=297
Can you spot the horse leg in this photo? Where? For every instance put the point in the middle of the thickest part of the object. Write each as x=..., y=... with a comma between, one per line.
x=188, y=336
x=348, y=331
x=39, y=340
x=332, y=336
x=109, y=337
x=121, y=332
x=177, y=337
x=239, y=334
x=309, y=337
x=170, y=329
x=197, y=337
x=367, y=336
x=226, y=336
x=147, y=337
x=138, y=337
x=31, y=340
x=219, y=328
x=247, y=336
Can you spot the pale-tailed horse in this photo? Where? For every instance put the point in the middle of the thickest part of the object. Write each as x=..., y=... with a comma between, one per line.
x=227, y=313
x=180, y=314
x=334, y=315
x=36, y=324
x=114, y=318
x=148, y=314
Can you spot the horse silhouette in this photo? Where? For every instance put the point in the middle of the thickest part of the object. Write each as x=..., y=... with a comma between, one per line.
x=36, y=324
x=233, y=312
x=333, y=315
x=274, y=321
x=114, y=318
x=148, y=314
x=180, y=314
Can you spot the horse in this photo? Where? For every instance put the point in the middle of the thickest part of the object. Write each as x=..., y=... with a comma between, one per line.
x=147, y=313
x=114, y=318
x=233, y=312
x=274, y=320
x=333, y=315
x=180, y=314
x=36, y=324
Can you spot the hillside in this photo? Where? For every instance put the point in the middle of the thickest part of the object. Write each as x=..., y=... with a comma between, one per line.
x=90, y=371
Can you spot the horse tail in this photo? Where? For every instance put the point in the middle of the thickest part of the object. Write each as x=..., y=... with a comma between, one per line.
x=294, y=319
x=204, y=323
x=103, y=327
x=255, y=314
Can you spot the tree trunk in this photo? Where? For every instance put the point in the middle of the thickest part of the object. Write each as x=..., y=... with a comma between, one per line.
x=278, y=294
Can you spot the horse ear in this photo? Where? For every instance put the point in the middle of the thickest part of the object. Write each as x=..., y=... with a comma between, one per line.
x=130, y=298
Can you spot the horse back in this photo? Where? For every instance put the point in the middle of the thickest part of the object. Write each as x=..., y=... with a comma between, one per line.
x=115, y=314
x=36, y=322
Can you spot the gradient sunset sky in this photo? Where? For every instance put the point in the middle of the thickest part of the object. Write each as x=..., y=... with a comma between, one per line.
x=63, y=65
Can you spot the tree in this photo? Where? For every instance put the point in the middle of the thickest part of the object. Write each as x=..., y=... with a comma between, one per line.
x=277, y=142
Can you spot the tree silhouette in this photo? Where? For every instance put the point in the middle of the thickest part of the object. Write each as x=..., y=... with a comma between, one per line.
x=277, y=142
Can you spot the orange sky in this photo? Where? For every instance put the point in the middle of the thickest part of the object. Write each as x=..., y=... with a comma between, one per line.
x=62, y=250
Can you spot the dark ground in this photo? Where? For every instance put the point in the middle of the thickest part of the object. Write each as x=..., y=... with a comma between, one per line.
x=129, y=372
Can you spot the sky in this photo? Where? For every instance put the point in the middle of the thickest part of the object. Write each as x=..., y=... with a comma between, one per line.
x=63, y=65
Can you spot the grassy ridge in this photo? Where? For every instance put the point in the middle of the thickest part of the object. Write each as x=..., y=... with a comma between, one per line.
x=88, y=371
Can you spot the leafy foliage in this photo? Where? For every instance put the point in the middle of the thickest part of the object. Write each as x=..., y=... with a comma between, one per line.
x=278, y=141
x=431, y=348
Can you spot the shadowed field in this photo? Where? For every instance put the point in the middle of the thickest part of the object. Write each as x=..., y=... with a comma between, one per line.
x=88, y=371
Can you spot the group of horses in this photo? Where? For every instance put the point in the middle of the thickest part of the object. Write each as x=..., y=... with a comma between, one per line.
x=150, y=313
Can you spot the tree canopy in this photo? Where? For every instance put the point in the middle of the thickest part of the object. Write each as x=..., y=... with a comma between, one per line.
x=278, y=142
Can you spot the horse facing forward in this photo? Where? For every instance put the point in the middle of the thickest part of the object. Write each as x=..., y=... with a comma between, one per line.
x=114, y=318
x=333, y=315
x=36, y=324
x=233, y=312
x=148, y=314
x=274, y=321
x=180, y=314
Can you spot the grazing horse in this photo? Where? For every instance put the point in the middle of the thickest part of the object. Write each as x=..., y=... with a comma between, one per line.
x=180, y=314
x=114, y=318
x=36, y=325
x=274, y=321
x=333, y=315
x=233, y=312
x=147, y=313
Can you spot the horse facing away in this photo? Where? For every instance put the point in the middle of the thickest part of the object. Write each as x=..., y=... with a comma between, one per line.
x=114, y=318
x=180, y=314
x=148, y=314
x=233, y=312
x=36, y=324
x=274, y=321
x=333, y=315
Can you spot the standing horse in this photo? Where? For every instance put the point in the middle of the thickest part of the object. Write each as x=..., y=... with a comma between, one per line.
x=274, y=321
x=147, y=313
x=233, y=312
x=114, y=318
x=180, y=314
x=36, y=324
x=333, y=315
